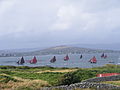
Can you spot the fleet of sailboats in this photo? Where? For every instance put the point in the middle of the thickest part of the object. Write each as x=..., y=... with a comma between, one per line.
x=66, y=58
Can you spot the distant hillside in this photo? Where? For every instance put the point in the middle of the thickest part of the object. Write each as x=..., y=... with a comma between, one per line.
x=99, y=46
x=66, y=50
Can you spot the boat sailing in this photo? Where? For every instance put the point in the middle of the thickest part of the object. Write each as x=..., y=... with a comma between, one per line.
x=33, y=61
x=103, y=56
x=66, y=58
x=21, y=61
x=93, y=60
x=53, y=59
x=81, y=56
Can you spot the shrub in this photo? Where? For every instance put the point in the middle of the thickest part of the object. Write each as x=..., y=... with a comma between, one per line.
x=75, y=77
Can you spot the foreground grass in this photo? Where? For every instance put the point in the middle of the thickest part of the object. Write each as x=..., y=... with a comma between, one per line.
x=24, y=85
x=33, y=78
x=112, y=82
x=85, y=89
x=30, y=78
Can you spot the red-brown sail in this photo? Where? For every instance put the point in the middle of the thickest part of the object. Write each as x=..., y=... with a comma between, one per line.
x=33, y=61
x=66, y=58
x=93, y=60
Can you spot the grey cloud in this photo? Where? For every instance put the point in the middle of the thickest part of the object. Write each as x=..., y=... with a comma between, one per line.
x=49, y=22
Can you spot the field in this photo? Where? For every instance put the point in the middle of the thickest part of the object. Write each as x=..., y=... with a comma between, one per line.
x=112, y=82
x=33, y=78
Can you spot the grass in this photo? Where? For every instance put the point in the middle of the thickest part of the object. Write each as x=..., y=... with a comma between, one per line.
x=50, y=77
x=32, y=78
x=6, y=79
x=112, y=82
x=29, y=78
x=78, y=89
x=24, y=85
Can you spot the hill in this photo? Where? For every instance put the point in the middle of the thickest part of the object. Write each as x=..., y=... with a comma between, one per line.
x=100, y=46
x=66, y=50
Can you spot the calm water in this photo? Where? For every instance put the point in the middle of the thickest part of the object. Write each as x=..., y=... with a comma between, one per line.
x=74, y=61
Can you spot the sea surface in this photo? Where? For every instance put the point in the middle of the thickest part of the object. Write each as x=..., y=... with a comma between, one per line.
x=74, y=61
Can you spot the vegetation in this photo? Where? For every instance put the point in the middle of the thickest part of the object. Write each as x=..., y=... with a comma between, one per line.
x=29, y=78
x=112, y=82
x=77, y=76
x=83, y=74
x=84, y=89
x=6, y=79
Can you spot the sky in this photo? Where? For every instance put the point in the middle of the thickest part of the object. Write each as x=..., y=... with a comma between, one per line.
x=40, y=23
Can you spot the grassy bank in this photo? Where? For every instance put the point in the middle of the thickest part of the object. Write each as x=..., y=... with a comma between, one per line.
x=29, y=78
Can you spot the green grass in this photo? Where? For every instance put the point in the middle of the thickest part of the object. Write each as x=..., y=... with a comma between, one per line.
x=112, y=82
x=6, y=79
x=50, y=77
x=31, y=73
x=83, y=74
x=7, y=74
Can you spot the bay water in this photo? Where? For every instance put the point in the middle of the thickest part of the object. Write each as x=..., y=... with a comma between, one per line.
x=74, y=61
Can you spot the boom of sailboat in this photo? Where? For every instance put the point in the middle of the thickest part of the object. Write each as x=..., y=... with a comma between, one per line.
x=53, y=60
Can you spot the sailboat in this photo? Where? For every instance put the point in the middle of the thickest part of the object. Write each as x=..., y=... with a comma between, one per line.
x=53, y=59
x=66, y=58
x=103, y=56
x=81, y=56
x=33, y=61
x=93, y=60
x=21, y=61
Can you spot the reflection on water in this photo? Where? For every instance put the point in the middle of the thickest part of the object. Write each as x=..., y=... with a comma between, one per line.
x=74, y=61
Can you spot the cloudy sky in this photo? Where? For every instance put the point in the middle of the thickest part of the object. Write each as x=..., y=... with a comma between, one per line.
x=39, y=23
